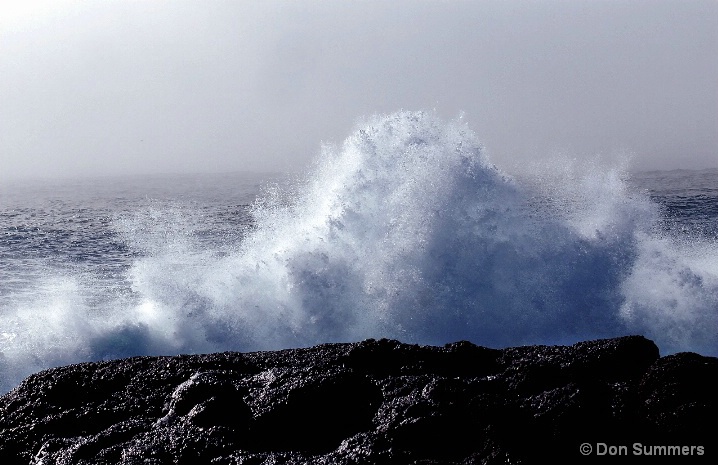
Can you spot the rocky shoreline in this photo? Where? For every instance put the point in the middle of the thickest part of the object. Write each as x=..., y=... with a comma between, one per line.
x=371, y=402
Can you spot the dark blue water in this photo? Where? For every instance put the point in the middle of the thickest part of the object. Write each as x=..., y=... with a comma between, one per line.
x=407, y=230
x=688, y=200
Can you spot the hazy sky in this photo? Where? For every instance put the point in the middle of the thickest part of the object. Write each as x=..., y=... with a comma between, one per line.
x=129, y=86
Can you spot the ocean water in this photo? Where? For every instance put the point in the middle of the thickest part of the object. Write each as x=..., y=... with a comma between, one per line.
x=405, y=230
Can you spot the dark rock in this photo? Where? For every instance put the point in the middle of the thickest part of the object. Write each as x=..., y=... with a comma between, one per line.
x=677, y=392
x=372, y=402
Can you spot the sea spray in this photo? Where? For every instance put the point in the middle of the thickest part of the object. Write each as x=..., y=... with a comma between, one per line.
x=406, y=230
x=671, y=294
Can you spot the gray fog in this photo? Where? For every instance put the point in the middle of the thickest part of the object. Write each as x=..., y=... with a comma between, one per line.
x=125, y=87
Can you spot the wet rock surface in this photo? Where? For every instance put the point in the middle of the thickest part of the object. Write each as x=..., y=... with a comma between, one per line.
x=376, y=401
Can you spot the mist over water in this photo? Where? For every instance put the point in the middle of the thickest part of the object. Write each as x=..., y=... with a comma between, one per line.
x=407, y=231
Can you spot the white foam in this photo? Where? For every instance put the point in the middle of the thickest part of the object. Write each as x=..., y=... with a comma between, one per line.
x=404, y=231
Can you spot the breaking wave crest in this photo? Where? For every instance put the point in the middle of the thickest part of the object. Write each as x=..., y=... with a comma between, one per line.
x=407, y=231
